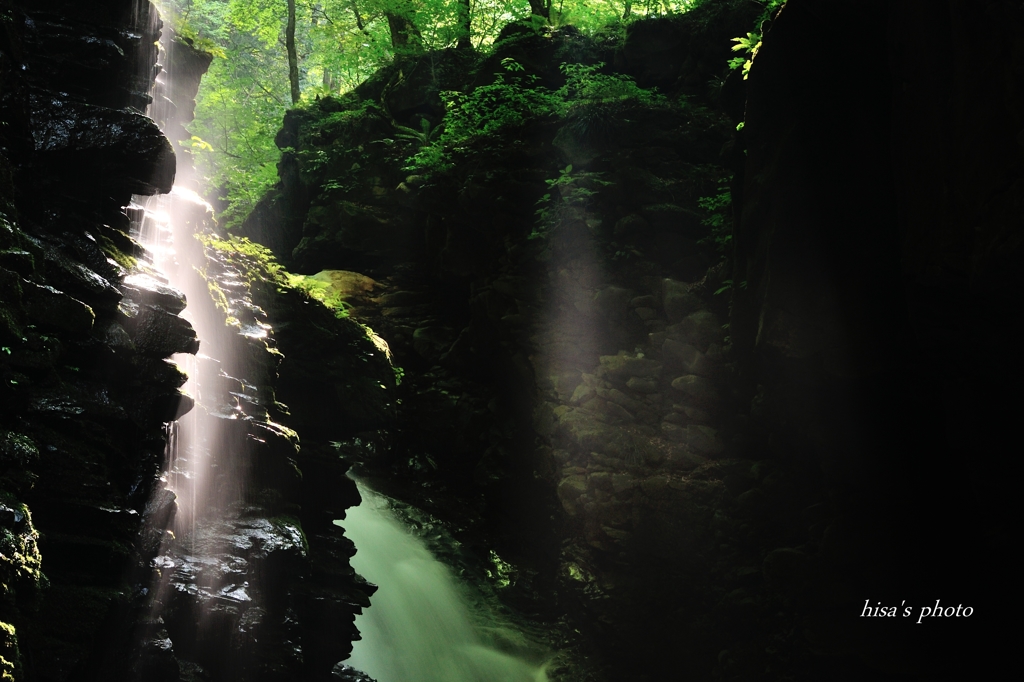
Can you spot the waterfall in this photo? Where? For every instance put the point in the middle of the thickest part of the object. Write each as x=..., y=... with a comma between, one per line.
x=239, y=590
x=418, y=627
x=219, y=581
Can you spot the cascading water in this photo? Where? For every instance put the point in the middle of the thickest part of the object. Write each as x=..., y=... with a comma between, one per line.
x=216, y=588
x=418, y=627
x=224, y=594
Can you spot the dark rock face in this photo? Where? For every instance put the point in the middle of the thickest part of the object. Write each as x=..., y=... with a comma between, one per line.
x=85, y=395
x=880, y=235
x=94, y=585
x=121, y=148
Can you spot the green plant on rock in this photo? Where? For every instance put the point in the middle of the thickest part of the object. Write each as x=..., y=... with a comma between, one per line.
x=256, y=263
x=749, y=45
x=585, y=85
x=575, y=193
x=484, y=112
x=718, y=218
x=321, y=291
x=422, y=137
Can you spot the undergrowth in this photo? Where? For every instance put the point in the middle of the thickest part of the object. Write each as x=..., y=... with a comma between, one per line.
x=588, y=99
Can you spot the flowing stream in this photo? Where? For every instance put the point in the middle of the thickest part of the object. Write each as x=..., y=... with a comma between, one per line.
x=418, y=627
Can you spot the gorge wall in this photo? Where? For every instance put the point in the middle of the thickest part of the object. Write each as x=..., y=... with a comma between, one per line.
x=704, y=463
x=87, y=480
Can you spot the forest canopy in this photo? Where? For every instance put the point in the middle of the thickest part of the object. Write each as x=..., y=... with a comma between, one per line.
x=275, y=54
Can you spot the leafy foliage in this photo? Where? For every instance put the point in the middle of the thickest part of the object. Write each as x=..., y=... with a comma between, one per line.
x=718, y=207
x=751, y=43
x=515, y=98
x=575, y=192
x=585, y=85
x=339, y=44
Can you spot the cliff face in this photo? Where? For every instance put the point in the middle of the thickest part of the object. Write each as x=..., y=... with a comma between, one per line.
x=709, y=464
x=86, y=327
x=85, y=389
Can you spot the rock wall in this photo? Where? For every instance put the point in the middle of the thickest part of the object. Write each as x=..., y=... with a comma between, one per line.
x=86, y=327
x=879, y=228
x=85, y=388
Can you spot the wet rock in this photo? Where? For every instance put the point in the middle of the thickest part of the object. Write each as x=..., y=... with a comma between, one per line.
x=684, y=459
x=344, y=673
x=673, y=432
x=582, y=394
x=704, y=439
x=173, y=406
x=53, y=309
x=614, y=411
x=642, y=384
x=569, y=491
x=75, y=278
x=159, y=333
x=616, y=396
x=143, y=288
x=692, y=413
x=612, y=302
x=86, y=146
x=17, y=260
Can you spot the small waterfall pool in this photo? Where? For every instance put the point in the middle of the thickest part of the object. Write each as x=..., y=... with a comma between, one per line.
x=418, y=627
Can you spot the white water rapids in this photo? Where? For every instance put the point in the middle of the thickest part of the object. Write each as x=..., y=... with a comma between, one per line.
x=418, y=627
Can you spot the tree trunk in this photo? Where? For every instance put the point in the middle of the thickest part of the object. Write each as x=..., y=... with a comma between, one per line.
x=404, y=34
x=464, y=25
x=293, y=57
x=540, y=8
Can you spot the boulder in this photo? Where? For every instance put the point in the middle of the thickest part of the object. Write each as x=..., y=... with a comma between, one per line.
x=702, y=390
x=622, y=367
x=677, y=300
x=699, y=329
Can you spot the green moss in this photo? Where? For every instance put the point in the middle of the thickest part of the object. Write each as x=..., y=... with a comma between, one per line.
x=123, y=259
x=10, y=656
x=20, y=560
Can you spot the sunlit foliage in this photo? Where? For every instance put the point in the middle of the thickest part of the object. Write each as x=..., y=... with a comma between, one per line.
x=339, y=44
